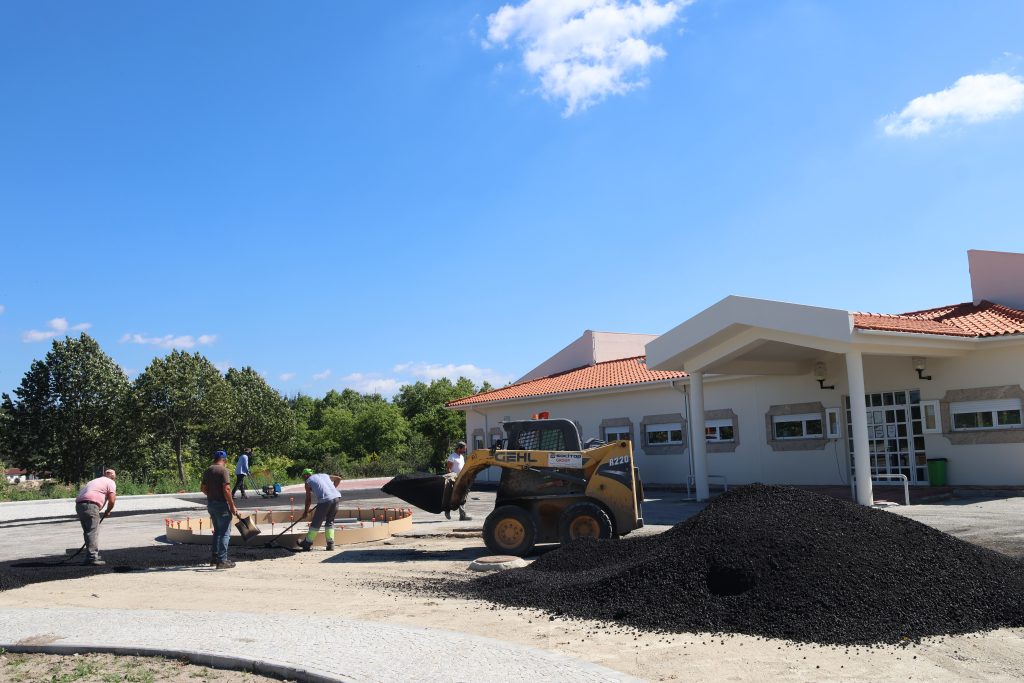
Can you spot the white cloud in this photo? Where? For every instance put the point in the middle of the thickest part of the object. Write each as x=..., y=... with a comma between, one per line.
x=432, y=371
x=972, y=99
x=170, y=341
x=322, y=375
x=584, y=50
x=286, y=376
x=58, y=327
x=372, y=384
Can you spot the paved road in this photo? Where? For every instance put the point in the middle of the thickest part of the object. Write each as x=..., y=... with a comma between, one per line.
x=306, y=648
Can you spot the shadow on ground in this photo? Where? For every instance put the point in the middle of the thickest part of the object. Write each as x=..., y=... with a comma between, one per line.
x=18, y=573
x=467, y=554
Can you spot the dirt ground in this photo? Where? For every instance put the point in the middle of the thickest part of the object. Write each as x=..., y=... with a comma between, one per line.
x=366, y=582
x=104, y=668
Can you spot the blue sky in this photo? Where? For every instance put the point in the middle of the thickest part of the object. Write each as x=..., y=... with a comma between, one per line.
x=368, y=193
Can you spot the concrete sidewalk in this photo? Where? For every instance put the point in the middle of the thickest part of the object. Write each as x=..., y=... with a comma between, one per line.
x=305, y=648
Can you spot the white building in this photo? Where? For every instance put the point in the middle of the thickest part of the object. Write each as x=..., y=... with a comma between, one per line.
x=770, y=383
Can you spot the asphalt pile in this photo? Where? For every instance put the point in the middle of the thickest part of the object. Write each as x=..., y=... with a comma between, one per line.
x=16, y=574
x=776, y=562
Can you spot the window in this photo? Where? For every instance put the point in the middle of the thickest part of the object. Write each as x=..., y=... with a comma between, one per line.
x=495, y=438
x=478, y=443
x=833, y=428
x=666, y=434
x=620, y=433
x=998, y=414
x=719, y=430
x=542, y=440
x=806, y=426
x=930, y=421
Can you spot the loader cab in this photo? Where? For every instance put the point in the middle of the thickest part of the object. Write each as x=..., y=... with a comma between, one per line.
x=538, y=435
x=542, y=435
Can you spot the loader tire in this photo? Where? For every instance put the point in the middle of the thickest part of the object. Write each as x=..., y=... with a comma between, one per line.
x=510, y=530
x=584, y=520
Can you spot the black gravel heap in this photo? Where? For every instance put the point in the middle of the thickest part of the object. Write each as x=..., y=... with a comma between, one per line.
x=776, y=562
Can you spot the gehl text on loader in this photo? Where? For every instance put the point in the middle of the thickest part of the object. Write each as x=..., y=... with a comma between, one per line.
x=552, y=488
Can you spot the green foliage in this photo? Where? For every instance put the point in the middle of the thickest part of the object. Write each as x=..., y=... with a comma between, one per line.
x=183, y=399
x=260, y=417
x=68, y=412
x=424, y=406
x=75, y=412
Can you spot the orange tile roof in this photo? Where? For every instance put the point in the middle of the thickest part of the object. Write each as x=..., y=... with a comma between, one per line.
x=613, y=373
x=962, y=320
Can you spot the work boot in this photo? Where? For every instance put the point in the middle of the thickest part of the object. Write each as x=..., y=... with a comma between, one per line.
x=330, y=545
x=447, y=514
x=465, y=518
x=305, y=546
x=226, y=564
x=213, y=561
x=94, y=562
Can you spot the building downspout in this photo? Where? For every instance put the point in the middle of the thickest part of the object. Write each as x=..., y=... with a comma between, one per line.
x=689, y=427
x=487, y=434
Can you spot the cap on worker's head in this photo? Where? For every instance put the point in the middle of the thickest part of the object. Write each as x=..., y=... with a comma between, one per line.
x=461, y=444
x=307, y=472
x=220, y=455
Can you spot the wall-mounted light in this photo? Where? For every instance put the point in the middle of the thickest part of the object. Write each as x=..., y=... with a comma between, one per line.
x=820, y=374
x=919, y=366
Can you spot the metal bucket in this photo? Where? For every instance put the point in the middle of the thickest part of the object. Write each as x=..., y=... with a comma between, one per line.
x=425, y=491
x=247, y=528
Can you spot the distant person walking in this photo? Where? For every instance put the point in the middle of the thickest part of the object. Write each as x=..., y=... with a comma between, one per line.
x=221, y=506
x=241, y=472
x=322, y=491
x=456, y=461
x=88, y=504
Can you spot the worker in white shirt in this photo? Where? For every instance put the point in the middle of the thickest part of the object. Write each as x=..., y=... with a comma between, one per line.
x=456, y=461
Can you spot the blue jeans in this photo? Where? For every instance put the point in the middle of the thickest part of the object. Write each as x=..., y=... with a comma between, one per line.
x=220, y=514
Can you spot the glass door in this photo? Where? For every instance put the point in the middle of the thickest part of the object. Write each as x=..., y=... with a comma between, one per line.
x=895, y=434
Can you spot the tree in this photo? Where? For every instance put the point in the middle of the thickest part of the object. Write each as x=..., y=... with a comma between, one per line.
x=260, y=416
x=182, y=398
x=379, y=427
x=67, y=416
x=424, y=407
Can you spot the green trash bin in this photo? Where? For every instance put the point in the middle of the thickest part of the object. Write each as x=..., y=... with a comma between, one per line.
x=936, y=471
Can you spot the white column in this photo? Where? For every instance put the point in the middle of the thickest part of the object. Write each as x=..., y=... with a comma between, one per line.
x=699, y=444
x=861, y=463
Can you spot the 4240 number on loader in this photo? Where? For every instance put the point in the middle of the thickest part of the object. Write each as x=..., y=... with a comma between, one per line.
x=552, y=490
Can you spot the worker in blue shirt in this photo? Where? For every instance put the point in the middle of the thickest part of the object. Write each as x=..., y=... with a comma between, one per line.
x=241, y=472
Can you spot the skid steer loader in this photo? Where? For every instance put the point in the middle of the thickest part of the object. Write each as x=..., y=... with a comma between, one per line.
x=552, y=490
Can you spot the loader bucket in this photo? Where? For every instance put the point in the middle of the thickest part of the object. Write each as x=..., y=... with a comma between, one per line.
x=425, y=491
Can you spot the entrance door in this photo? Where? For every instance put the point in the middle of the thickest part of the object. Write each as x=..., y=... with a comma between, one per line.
x=895, y=434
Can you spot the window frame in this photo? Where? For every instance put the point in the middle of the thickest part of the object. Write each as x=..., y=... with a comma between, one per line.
x=671, y=427
x=802, y=419
x=931, y=405
x=833, y=425
x=716, y=425
x=992, y=408
x=622, y=432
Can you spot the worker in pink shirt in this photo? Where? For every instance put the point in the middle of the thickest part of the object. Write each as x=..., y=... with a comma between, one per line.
x=89, y=506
